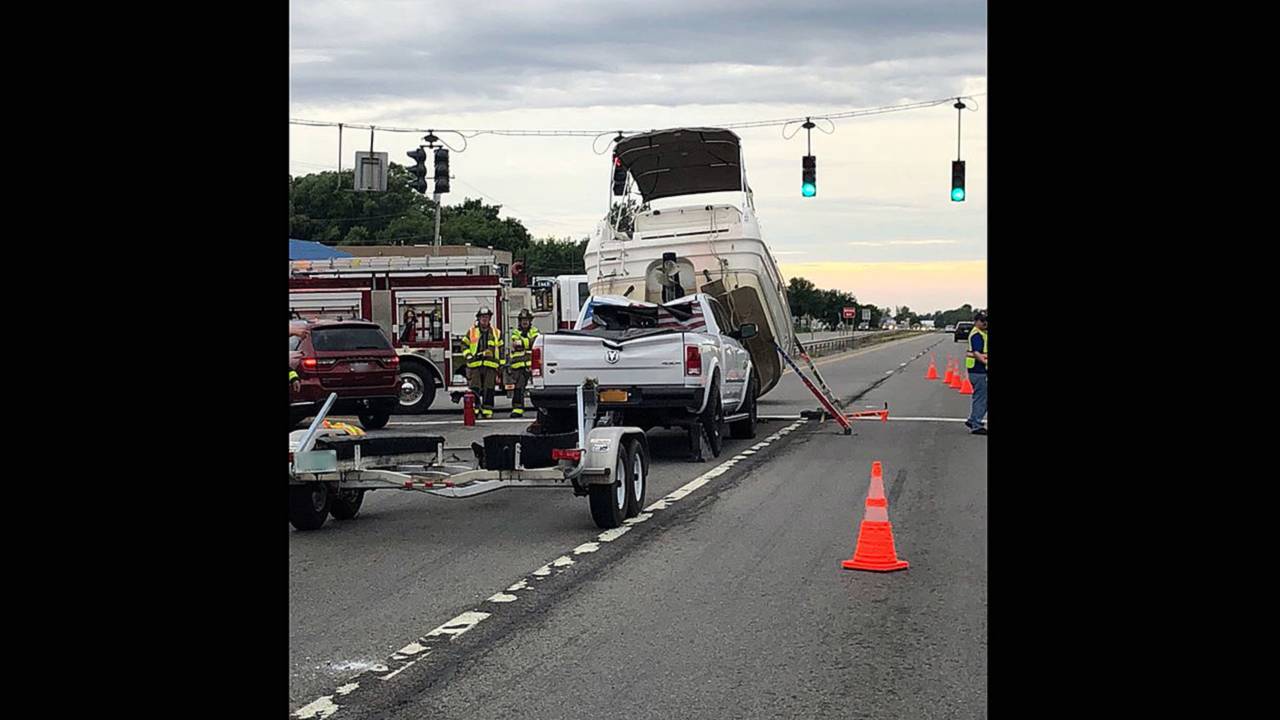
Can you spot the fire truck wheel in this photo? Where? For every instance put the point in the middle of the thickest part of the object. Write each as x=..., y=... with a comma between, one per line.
x=374, y=421
x=308, y=505
x=417, y=388
x=346, y=504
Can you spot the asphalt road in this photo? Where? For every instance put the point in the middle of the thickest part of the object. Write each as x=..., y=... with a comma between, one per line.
x=728, y=602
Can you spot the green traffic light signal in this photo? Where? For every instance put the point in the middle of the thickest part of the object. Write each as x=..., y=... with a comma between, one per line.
x=957, y=181
x=808, y=190
x=957, y=194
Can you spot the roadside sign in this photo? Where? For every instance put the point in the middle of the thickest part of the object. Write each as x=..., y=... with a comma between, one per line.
x=849, y=313
x=371, y=171
x=866, y=313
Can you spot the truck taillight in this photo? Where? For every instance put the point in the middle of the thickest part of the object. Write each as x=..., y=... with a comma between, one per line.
x=309, y=363
x=535, y=362
x=574, y=454
x=393, y=362
x=692, y=360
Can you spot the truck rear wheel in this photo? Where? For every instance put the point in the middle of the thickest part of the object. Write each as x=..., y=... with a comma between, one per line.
x=638, y=460
x=374, y=421
x=609, y=502
x=346, y=504
x=308, y=505
x=713, y=417
x=746, y=429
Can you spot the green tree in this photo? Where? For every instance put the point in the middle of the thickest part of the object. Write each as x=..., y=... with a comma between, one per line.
x=324, y=208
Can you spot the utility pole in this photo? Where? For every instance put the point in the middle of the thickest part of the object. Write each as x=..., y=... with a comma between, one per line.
x=437, y=199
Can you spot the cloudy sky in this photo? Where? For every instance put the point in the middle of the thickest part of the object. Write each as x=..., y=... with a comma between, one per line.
x=882, y=225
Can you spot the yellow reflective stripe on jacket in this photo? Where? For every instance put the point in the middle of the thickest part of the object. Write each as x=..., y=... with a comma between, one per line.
x=970, y=360
x=293, y=375
x=471, y=352
x=519, y=358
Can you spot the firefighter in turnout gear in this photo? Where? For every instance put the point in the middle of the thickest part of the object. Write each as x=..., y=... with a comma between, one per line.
x=518, y=371
x=482, y=349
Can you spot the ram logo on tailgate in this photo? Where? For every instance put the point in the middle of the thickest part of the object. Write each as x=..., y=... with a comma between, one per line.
x=611, y=356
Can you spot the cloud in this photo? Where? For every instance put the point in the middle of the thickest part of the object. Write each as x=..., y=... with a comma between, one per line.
x=463, y=57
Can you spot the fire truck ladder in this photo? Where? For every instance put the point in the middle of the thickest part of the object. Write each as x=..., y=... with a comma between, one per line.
x=824, y=396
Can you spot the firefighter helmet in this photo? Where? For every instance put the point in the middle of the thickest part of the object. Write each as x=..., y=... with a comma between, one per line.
x=525, y=314
x=483, y=311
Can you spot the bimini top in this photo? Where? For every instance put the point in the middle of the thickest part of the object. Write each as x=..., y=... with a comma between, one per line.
x=682, y=161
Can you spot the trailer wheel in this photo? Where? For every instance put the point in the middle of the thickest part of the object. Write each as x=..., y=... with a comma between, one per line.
x=638, y=459
x=746, y=429
x=713, y=417
x=346, y=504
x=609, y=502
x=374, y=421
x=308, y=505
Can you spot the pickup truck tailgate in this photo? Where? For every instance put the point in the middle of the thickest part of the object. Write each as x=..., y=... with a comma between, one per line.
x=648, y=360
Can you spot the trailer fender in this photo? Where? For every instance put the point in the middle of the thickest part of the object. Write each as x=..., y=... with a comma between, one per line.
x=600, y=456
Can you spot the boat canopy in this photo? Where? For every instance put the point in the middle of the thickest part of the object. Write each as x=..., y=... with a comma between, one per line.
x=682, y=161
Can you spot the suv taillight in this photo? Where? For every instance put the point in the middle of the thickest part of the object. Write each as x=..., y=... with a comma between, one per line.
x=535, y=362
x=393, y=362
x=692, y=360
x=309, y=363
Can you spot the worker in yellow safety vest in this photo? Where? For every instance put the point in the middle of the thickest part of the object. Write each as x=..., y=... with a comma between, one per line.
x=295, y=382
x=482, y=349
x=975, y=362
x=518, y=371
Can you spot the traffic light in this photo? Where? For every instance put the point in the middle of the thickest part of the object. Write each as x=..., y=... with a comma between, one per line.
x=809, y=175
x=619, y=176
x=957, y=181
x=442, y=171
x=418, y=173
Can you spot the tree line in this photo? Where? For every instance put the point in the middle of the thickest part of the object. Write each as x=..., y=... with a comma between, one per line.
x=323, y=208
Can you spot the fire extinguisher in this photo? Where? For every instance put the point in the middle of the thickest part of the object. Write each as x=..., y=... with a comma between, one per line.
x=468, y=409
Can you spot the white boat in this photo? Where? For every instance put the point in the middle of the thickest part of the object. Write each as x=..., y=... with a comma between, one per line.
x=666, y=253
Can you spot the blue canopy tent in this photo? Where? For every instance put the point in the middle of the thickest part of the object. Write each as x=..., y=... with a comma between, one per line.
x=306, y=250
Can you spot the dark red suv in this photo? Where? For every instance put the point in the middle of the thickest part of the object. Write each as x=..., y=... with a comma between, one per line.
x=353, y=358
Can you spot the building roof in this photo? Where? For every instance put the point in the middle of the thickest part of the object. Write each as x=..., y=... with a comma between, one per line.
x=307, y=250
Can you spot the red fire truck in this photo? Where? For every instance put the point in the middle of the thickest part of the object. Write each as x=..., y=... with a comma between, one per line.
x=424, y=304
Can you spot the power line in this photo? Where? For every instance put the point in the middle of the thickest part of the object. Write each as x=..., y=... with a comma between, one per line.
x=472, y=132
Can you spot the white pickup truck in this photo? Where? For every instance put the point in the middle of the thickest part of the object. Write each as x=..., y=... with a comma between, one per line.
x=675, y=364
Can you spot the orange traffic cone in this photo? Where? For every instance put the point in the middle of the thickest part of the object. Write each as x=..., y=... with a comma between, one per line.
x=946, y=379
x=874, y=550
x=932, y=374
x=966, y=388
x=955, y=378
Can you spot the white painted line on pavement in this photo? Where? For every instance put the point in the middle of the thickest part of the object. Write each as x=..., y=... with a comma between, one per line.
x=926, y=419
x=320, y=708
x=399, y=670
x=324, y=707
x=459, y=625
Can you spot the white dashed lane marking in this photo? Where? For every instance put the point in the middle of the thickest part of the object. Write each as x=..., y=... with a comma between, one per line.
x=325, y=707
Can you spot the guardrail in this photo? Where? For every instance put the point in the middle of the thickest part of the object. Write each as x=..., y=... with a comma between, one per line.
x=830, y=346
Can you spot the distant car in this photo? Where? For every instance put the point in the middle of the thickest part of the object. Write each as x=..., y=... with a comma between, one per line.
x=353, y=358
x=962, y=331
x=951, y=328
